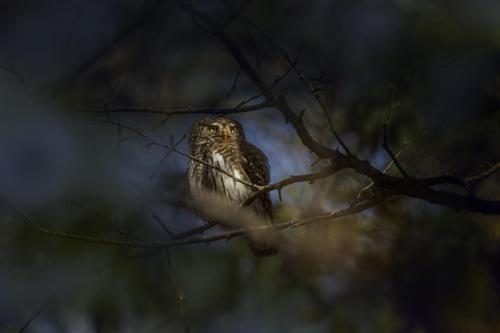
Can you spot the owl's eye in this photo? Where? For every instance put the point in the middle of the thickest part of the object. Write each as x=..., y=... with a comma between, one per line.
x=234, y=130
x=212, y=128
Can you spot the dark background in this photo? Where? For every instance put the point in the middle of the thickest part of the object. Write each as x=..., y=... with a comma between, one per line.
x=430, y=67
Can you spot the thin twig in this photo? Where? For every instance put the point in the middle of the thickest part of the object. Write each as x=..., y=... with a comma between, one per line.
x=354, y=208
x=35, y=315
x=194, y=231
x=386, y=170
x=167, y=154
x=106, y=223
x=18, y=76
x=236, y=13
x=189, y=156
x=290, y=68
x=88, y=239
x=330, y=170
x=388, y=149
x=233, y=86
x=464, y=182
x=158, y=220
x=310, y=87
x=178, y=111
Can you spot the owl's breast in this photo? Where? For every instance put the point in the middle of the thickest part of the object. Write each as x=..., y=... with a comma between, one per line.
x=232, y=189
x=204, y=178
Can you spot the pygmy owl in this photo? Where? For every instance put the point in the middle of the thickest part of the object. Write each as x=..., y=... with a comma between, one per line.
x=221, y=142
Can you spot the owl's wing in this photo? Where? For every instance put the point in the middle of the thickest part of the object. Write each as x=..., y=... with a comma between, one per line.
x=255, y=164
x=256, y=167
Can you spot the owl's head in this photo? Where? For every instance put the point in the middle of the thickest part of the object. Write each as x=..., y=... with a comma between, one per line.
x=211, y=129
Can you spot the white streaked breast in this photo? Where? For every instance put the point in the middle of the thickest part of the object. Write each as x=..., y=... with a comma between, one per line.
x=235, y=190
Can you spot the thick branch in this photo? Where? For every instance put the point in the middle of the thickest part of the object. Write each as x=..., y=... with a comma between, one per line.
x=415, y=189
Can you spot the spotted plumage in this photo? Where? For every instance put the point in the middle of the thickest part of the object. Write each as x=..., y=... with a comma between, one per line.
x=221, y=143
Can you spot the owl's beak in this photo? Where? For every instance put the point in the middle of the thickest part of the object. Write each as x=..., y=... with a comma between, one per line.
x=225, y=134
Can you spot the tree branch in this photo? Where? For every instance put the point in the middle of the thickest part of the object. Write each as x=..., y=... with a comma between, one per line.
x=354, y=208
x=388, y=149
x=365, y=189
x=293, y=66
x=393, y=185
x=464, y=182
x=310, y=177
x=179, y=111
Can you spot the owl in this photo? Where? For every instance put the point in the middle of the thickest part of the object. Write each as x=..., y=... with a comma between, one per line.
x=221, y=142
